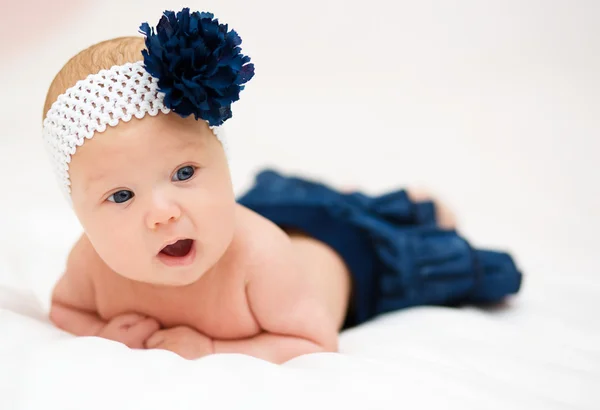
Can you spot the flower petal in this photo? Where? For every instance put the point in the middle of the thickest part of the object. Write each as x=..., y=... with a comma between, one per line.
x=198, y=63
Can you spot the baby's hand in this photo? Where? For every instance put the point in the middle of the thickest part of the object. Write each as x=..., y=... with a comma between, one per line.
x=130, y=329
x=185, y=341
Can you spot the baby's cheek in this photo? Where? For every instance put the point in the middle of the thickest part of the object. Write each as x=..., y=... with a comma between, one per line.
x=216, y=232
x=121, y=252
x=222, y=223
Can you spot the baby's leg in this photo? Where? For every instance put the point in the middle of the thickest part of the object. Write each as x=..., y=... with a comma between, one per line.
x=326, y=269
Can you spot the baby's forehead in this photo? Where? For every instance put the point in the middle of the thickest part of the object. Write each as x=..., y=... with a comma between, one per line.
x=149, y=142
x=164, y=133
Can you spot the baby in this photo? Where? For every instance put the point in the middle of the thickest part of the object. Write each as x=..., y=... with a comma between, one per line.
x=170, y=259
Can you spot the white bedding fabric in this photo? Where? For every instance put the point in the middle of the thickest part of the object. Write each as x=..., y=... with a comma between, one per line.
x=542, y=351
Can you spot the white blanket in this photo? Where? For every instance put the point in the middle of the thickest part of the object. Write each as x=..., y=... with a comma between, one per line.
x=541, y=351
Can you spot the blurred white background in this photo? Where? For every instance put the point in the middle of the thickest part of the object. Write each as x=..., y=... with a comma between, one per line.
x=494, y=106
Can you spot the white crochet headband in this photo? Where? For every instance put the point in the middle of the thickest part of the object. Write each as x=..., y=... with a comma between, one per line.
x=106, y=98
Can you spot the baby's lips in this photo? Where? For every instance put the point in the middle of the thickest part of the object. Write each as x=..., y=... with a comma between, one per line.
x=178, y=249
x=171, y=242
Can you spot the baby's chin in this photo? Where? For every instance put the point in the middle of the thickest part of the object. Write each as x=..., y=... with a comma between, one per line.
x=167, y=279
x=174, y=282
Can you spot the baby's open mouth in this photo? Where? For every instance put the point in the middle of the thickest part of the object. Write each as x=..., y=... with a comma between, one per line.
x=178, y=249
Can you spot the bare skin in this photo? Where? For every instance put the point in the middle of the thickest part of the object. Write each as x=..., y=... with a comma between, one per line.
x=243, y=305
x=249, y=288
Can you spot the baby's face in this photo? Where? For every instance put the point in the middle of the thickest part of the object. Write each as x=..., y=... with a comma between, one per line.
x=155, y=198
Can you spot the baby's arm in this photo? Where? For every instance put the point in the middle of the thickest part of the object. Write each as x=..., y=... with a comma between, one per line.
x=71, y=310
x=294, y=298
x=73, y=304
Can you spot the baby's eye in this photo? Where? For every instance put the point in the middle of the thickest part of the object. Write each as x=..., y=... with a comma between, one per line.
x=183, y=173
x=121, y=196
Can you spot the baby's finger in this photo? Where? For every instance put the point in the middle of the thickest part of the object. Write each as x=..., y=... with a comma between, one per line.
x=155, y=340
x=144, y=329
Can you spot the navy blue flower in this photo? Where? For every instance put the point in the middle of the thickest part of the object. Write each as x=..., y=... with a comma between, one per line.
x=198, y=64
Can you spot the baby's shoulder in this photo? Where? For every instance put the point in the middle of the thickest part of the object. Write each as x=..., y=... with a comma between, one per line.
x=75, y=287
x=261, y=242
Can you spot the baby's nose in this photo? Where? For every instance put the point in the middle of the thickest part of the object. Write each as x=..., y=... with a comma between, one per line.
x=162, y=212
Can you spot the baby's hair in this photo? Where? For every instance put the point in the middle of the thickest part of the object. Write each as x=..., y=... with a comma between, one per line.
x=100, y=56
